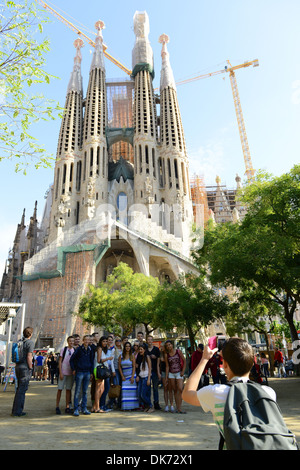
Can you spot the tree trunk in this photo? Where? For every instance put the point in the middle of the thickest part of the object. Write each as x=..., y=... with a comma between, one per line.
x=192, y=338
x=269, y=354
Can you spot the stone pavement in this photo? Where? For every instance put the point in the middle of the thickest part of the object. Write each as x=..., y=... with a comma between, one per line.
x=42, y=429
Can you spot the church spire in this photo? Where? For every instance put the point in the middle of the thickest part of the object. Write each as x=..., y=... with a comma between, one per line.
x=142, y=54
x=75, y=83
x=166, y=77
x=171, y=129
x=144, y=112
x=70, y=138
x=98, y=56
x=95, y=118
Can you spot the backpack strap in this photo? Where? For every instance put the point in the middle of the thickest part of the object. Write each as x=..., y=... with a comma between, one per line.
x=64, y=353
x=221, y=442
x=233, y=381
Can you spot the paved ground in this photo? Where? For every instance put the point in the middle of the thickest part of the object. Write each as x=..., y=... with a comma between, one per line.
x=42, y=429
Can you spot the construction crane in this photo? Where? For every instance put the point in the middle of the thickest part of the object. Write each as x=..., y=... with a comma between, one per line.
x=83, y=35
x=239, y=115
x=238, y=108
x=228, y=69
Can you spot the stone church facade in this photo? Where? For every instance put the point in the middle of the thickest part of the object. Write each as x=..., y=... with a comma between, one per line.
x=121, y=192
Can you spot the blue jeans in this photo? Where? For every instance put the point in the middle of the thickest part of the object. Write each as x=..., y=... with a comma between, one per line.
x=23, y=375
x=155, y=383
x=104, y=394
x=144, y=392
x=82, y=380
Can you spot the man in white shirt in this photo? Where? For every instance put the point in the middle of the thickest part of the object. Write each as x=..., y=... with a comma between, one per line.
x=238, y=359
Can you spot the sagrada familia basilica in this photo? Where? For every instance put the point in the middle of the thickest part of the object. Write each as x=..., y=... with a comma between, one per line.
x=121, y=192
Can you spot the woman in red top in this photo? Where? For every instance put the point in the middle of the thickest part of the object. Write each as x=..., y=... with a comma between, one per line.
x=175, y=367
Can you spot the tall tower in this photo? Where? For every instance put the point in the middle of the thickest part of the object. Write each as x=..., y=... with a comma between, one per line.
x=146, y=181
x=92, y=172
x=173, y=161
x=95, y=160
x=63, y=211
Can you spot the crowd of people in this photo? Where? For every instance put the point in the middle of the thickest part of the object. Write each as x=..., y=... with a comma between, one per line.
x=121, y=375
x=132, y=371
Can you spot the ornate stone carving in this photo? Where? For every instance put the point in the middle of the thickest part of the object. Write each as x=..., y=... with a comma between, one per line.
x=90, y=201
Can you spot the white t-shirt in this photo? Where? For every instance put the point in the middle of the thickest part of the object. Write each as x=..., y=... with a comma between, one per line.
x=109, y=364
x=65, y=363
x=213, y=398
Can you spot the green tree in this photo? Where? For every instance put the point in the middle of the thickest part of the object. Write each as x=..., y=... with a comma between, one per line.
x=253, y=311
x=137, y=293
x=189, y=303
x=264, y=249
x=98, y=307
x=123, y=301
x=22, y=73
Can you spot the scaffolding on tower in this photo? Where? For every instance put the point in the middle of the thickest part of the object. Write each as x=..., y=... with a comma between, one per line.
x=199, y=197
x=120, y=95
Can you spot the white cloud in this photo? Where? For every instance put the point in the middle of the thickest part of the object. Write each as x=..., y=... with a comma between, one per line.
x=207, y=161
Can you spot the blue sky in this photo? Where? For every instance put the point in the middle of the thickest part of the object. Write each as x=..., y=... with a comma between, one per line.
x=203, y=35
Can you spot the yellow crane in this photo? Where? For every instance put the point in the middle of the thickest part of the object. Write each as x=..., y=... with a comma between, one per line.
x=238, y=108
x=228, y=69
x=83, y=35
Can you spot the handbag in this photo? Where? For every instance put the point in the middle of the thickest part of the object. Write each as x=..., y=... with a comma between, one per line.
x=102, y=372
x=114, y=391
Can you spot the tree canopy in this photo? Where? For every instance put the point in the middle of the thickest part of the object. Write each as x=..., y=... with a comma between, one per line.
x=264, y=249
x=22, y=73
x=123, y=300
x=128, y=299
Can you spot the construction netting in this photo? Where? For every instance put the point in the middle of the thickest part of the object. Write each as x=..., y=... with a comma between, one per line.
x=99, y=251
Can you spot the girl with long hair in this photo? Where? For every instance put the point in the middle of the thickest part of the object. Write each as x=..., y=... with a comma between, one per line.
x=102, y=386
x=168, y=392
x=144, y=379
x=175, y=367
x=129, y=400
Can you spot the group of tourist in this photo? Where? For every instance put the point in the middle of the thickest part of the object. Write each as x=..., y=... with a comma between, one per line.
x=131, y=372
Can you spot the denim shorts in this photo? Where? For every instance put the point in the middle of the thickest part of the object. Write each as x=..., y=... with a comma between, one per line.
x=176, y=375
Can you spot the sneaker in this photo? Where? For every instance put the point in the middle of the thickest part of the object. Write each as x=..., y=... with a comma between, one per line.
x=156, y=406
x=76, y=413
x=86, y=412
x=57, y=410
x=67, y=410
x=172, y=409
x=166, y=409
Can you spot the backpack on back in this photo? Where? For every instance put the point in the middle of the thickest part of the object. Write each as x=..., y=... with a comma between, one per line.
x=17, y=352
x=253, y=421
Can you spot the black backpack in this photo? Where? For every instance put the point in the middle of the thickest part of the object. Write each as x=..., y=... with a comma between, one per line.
x=253, y=420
